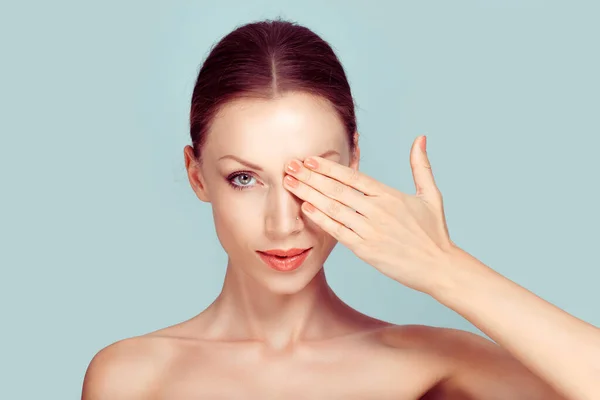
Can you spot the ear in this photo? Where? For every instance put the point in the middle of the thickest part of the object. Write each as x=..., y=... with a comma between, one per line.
x=194, y=174
x=355, y=157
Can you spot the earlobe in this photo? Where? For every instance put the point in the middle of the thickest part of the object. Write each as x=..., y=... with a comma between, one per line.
x=355, y=158
x=194, y=174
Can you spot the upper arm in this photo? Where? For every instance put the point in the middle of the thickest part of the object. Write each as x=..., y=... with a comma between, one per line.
x=122, y=370
x=484, y=370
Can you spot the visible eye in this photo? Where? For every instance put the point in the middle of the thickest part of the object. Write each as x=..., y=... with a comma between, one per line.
x=240, y=180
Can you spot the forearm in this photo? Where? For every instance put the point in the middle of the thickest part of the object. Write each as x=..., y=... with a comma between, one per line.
x=559, y=348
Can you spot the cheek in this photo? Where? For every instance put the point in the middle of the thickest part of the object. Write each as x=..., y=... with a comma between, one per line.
x=235, y=223
x=327, y=243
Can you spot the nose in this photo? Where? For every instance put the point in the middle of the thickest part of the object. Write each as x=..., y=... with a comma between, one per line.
x=282, y=208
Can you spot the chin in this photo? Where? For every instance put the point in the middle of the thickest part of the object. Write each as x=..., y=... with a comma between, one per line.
x=293, y=283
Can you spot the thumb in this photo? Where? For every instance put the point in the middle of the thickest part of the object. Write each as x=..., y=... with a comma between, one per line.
x=421, y=169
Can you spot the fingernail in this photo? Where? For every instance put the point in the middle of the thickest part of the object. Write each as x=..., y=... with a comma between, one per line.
x=311, y=163
x=293, y=182
x=294, y=166
x=309, y=207
x=424, y=144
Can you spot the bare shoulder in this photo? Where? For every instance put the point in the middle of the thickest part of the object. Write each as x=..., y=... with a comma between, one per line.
x=432, y=339
x=474, y=366
x=455, y=346
x=450, y=342
x=128, y=369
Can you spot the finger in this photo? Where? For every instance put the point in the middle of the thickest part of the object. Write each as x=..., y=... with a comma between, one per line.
x=335, y=210
x=341, y=233
x=349, y=176
x=421, y=170
x=330, y=187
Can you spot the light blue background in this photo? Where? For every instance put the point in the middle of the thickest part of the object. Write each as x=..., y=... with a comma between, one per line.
x=102, y=237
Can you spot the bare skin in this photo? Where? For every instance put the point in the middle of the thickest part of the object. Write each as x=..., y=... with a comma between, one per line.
x=274, y=335
x=364, y=358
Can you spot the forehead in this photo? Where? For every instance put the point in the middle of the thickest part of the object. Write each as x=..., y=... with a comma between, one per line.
x=294, y=125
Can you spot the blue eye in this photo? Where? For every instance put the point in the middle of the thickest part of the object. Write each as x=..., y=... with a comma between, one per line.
x=245, y=178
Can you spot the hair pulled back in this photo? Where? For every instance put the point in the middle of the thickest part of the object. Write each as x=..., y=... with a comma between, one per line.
x=267, y=59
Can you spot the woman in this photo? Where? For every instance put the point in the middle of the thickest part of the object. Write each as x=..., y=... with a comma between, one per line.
x=275, y=152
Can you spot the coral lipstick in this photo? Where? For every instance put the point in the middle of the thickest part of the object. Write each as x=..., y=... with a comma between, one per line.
x=284, y=260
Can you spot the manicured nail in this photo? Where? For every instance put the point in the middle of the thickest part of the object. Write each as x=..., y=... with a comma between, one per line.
x=291, y=181
x=309, y=207
x=424, y=144
x=294, y=166
x=311, y=163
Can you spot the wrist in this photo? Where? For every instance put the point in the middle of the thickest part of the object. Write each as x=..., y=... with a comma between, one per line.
x=457, y=273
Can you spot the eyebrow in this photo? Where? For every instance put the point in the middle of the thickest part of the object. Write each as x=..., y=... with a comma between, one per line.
x=256, y=167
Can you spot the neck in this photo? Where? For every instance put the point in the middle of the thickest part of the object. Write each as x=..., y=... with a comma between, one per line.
x=247, y=311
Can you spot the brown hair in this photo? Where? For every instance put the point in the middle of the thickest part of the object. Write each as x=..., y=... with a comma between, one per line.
x=267, y=59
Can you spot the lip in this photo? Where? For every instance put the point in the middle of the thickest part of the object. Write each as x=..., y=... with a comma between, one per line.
x=293, y=258
x=284, y=253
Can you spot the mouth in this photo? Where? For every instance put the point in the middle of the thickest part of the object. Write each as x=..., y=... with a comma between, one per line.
x=284, y=260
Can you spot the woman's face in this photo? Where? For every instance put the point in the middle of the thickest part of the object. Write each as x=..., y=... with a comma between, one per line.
x=242, y=174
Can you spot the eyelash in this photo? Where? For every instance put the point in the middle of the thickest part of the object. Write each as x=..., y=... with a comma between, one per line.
x=234, y=175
